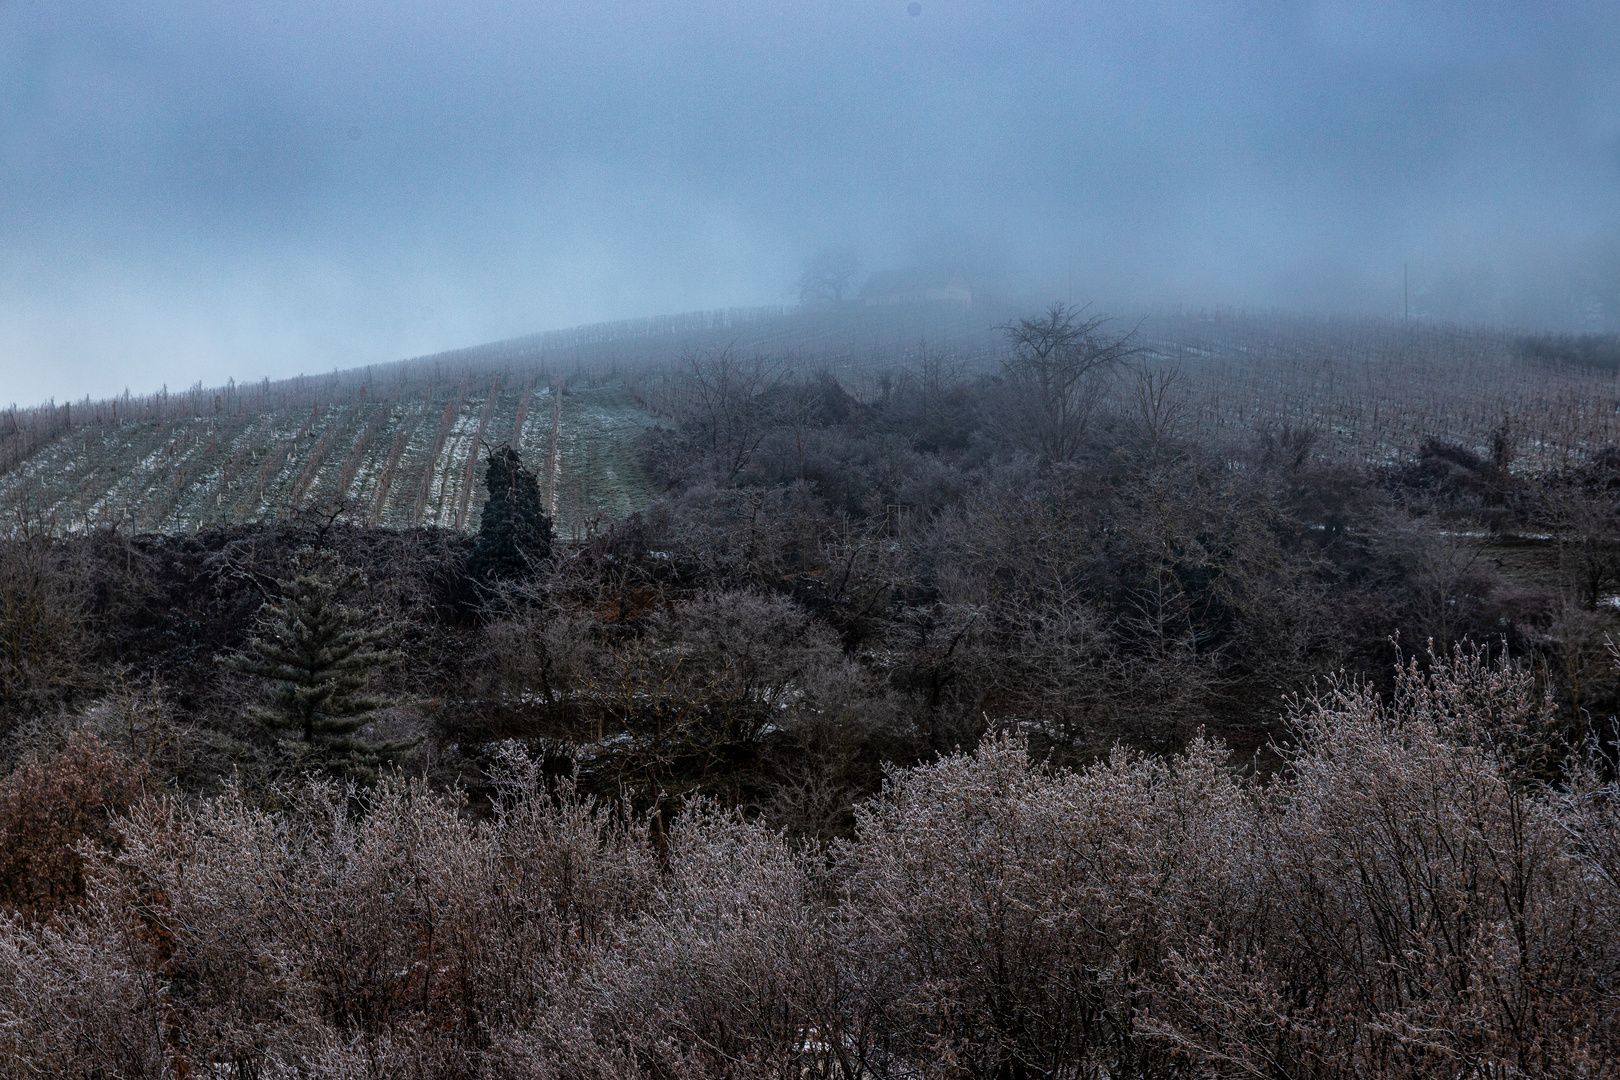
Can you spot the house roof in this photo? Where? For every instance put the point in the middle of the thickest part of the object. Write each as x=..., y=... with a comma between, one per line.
x=913, y=279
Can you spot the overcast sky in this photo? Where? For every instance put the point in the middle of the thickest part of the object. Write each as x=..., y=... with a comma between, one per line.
x=198, y=190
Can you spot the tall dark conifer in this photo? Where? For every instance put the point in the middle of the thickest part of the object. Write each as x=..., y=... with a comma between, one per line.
x=318, y=653
x=515, y=532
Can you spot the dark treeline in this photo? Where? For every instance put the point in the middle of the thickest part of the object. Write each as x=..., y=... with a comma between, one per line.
x=1076, y=632
x=1597, y=351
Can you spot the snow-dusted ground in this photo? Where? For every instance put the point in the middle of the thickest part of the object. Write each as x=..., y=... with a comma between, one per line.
x=190, y=473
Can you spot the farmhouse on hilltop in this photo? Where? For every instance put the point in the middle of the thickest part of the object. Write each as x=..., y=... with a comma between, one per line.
x=918, y=284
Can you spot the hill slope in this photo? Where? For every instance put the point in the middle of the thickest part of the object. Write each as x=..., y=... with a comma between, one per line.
x=401, y=440
x=402, y=462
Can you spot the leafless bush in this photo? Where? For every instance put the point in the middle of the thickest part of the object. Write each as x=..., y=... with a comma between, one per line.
x=1129, y=598
x=675, y=698
x=1585, y=526
x=47, y=809
x=1017, y=913
x=733, y=972
x=138, y=721
x=723, y=406
x=1444, y=581
x=284, y=940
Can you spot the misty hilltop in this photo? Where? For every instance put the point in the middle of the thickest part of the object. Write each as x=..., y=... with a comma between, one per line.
x=194, y=192
x=398, y=444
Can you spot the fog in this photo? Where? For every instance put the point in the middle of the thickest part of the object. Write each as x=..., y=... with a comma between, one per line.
x=203, y=190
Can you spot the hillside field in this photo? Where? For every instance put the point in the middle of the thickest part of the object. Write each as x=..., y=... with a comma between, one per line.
x=399, y=443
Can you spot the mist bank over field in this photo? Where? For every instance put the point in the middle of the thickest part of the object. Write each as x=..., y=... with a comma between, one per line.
x=64, y=339
x=193, y=193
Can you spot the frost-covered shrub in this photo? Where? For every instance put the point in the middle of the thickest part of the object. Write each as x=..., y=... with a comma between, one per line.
x=1020, y=915
x=47, y=810
x=1416, y=909
x=1404, y=899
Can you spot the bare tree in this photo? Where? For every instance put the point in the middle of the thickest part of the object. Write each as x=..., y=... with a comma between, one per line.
x=1056, y=366
x=828, y=275
x=1161, y=407
x=1586, y=529
x=723, y=405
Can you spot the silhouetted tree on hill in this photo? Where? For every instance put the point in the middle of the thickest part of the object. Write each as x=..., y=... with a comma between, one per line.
x=1056, y=366
x=828, y=276
x=515, y=531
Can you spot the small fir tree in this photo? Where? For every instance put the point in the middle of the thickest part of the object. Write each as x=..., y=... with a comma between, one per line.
x=319, y=653
x=514, y=533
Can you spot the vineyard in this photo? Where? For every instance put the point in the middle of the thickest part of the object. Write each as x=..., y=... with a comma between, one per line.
x=1377, y=389
x=401, y=443
x=408, y=461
